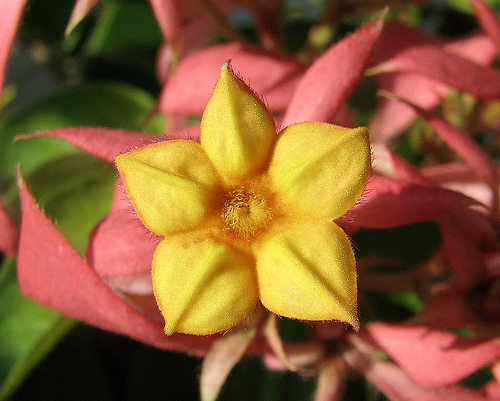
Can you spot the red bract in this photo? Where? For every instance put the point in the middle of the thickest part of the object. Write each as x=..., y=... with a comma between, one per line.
x=419, y=85
x=391, y=203
x=9, y=232
x=120, y=247
x=470, y=151
x=435, y=358
x=321, y=92
x=133, y=245
x=488, y=19
x=473, y=155
x=169, y=16
x=430, y=357
x=73, y=287
x=272, y=75
x=86, y=296
x=460, y=177
x=10, y=16
x=453, y=70
x=319, y=97
x=398, y=386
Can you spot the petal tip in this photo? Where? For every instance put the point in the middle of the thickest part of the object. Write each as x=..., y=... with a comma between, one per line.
x=168, y=329
x=226, y=66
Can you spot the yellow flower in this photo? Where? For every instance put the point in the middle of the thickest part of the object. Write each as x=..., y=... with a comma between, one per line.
x=248, y=215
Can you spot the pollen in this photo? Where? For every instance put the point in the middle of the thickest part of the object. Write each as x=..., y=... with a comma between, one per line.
x=245, y=212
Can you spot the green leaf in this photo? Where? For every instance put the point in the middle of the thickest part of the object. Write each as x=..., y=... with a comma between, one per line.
x=479, y=378
x=28, y=331
x=76, y=192
x=293, y=330
x=112, y=105
x=465, y=7
x=389, y=307
x=80, y=367
x=406, y=299
x=125, y=25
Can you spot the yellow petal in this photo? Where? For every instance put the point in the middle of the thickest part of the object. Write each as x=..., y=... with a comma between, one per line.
x=172, y=185
x=321, y=168
x=237, y=131
x=202, y=286
x=309, y=273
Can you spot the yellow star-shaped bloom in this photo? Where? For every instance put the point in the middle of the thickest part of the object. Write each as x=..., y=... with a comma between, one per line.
x=248, y=215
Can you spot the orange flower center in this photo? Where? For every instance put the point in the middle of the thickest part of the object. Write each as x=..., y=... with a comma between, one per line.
x=245, y=212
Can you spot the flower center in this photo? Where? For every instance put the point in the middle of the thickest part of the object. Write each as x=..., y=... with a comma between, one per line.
x=245, y=212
